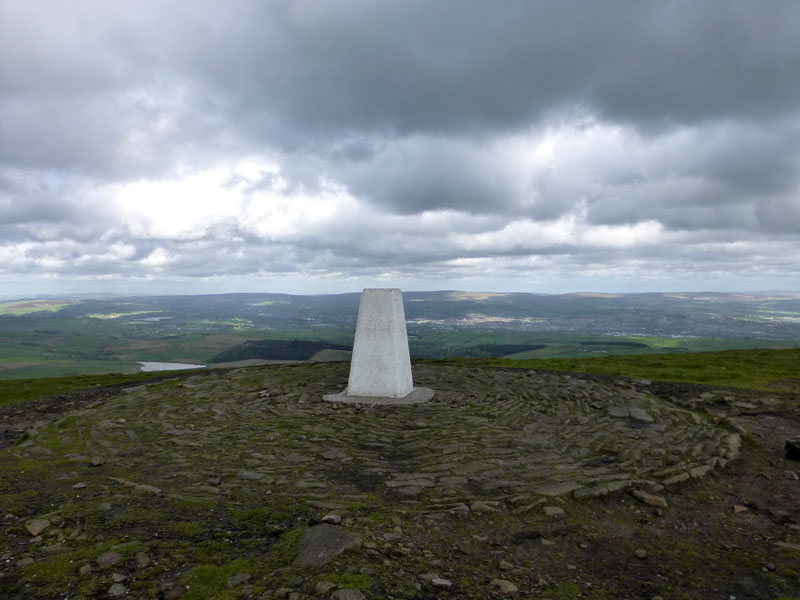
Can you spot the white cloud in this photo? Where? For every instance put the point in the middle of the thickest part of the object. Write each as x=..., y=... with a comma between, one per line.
x=312, y=146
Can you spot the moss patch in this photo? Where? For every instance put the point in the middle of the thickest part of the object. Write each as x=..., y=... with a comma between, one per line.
x=210, y=582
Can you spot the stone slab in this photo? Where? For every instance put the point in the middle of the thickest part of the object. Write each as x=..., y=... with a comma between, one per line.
x=418, y=395
x=322, y=543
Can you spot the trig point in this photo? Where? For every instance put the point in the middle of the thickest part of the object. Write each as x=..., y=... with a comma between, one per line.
x=380, y=369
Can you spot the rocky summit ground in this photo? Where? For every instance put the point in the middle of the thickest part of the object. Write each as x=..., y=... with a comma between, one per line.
x=509, y=483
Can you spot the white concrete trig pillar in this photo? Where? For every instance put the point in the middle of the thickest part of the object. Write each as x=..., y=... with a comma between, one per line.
x=380, y=368
x=381, y=364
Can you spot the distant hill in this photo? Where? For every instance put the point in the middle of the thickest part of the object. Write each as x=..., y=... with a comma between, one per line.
x=81, y=335
x=276, y=350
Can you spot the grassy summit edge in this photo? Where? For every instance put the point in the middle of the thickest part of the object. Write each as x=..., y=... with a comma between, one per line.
x=13, y=391
x=764, y=369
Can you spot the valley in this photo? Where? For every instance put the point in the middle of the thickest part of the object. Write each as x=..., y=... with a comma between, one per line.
x=75, y=336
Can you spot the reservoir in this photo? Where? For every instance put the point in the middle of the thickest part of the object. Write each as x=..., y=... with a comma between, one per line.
x=167, y=366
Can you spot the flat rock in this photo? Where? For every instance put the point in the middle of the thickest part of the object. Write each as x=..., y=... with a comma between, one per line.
x=504, y=586
x=321, y=543
x=419, y=395
x=40, y=451
x=441, y=583
x=788, y=546
x=323, y=587
x=553, y=511
x=744, y=405
x=453, y=480
x=641, y=415
x=558, y=489
x=591, y=492
x=334, y=454
x=700, y=471
x=649, y=498
x=679, y=478
x=117, y=590
x=107, y=559
x=238, y=579
x=481, y=507
x=332, y=519
x=137, y=486
x=409, y=482
x=460, y=511
x=37, y=526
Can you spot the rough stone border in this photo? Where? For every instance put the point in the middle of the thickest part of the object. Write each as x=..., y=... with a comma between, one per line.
x=419, y=395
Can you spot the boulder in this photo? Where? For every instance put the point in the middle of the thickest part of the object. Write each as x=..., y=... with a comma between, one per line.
x=321, y=543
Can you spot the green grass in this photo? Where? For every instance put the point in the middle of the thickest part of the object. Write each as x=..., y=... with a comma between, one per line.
x=211, y=581
x=20, y=390
x=443, y=344
x=351, y=581
x=752, y=369
x=269, y=302
x=117, y=315
x=67, y=368
x=25, y=307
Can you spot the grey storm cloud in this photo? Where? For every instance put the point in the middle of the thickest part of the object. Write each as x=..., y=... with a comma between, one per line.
x=304, y=74
x=532, y=128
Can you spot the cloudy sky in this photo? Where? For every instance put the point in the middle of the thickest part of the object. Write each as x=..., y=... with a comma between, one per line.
x=309, y=146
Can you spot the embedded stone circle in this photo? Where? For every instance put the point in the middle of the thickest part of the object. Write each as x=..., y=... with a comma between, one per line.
x=490, y=440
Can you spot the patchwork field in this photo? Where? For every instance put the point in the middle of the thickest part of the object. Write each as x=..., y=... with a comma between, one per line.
x=58, y=337
x=24, y=307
